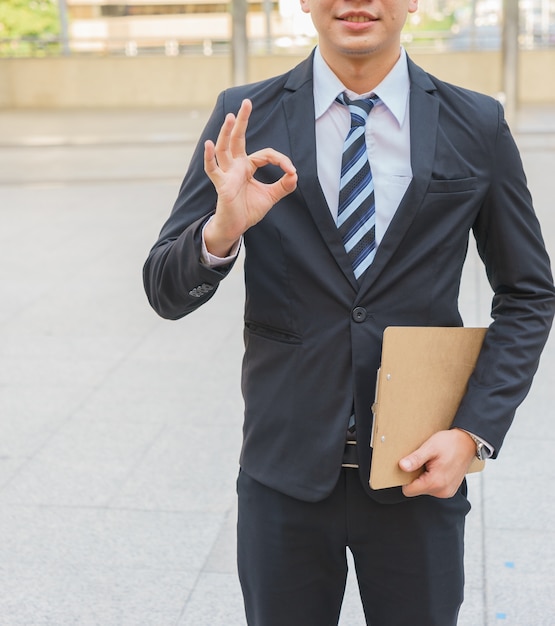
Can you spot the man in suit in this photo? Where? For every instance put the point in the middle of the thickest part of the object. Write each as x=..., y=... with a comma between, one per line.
x=266, y=176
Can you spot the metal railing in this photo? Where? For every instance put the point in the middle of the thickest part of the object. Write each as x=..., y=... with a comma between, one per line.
x=439, y=41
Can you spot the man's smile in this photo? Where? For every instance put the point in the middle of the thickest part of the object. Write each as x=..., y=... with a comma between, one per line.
x=357, y=18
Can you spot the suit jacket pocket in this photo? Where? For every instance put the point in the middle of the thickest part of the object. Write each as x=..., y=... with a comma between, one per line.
x=456, y=185
x=270, y=332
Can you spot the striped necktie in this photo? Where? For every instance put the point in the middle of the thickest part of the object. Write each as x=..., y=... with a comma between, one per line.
x=356, y=219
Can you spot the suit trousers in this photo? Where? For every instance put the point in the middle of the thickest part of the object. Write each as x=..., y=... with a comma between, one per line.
x=292, y=563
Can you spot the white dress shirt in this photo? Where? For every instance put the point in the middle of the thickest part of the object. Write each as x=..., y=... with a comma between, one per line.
x=387, y=137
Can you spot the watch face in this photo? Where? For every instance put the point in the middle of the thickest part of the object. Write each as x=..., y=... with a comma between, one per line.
x=481, y=452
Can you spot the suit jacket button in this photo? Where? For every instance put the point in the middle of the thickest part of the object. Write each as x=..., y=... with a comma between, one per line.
x=359, y=314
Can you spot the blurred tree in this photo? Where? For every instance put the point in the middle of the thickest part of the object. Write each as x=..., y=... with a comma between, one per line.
x=27, y=20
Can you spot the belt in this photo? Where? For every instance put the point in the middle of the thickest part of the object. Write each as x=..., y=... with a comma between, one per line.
x=350, y=456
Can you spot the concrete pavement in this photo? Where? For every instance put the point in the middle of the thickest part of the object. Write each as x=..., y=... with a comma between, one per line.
x=114, y=509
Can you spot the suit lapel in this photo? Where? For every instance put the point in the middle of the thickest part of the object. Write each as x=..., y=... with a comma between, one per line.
x=424, y=111
x=299, y=116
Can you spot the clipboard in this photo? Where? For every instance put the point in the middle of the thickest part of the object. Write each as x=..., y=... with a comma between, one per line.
x=422, y=379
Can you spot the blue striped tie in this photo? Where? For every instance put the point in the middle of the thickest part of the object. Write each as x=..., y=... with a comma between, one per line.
x=356, y=219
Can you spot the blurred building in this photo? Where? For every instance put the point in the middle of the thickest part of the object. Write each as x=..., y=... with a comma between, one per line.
x=174, y=26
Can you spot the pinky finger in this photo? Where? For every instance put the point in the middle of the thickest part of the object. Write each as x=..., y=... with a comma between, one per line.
x=210, y=162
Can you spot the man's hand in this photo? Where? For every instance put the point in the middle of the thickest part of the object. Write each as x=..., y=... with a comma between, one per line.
x=242, y=200
x=446, y=457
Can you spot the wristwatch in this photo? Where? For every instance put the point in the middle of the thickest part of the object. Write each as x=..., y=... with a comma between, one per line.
x=482, y=452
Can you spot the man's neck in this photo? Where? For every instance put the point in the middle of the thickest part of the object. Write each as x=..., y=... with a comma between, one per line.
x=361, y=73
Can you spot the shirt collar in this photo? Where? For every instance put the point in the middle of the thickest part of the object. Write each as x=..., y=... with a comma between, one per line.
x=392, y=91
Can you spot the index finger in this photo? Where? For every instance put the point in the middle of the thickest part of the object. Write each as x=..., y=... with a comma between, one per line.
x=418, y=487
x=238, y=143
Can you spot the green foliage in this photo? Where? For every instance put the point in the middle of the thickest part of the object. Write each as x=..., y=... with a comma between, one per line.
x=430, y=23
x=428, y=29
x=28, y=18
x=28, y=24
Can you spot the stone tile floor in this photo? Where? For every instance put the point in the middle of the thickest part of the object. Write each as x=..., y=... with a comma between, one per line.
x=113, y=510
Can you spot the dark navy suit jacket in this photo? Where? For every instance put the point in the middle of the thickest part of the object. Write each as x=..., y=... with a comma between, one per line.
x=312, y=334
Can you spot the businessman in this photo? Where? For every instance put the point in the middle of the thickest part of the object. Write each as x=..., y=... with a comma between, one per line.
x=353, y=182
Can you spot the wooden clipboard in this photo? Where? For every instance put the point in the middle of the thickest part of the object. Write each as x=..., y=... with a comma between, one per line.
x=422, y=379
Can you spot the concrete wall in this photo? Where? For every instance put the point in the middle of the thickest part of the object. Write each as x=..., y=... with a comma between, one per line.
x=195, y=81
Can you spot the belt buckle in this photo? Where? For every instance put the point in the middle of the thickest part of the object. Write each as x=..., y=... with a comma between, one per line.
x=347, y=453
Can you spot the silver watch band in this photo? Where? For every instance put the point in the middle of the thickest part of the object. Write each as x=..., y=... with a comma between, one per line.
x=482, y=452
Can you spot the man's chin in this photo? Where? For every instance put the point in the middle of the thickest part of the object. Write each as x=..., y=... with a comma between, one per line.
x=361, y=51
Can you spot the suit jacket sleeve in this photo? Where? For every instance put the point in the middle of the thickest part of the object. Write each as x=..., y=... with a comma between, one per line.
x=510, y=244
x=175, y=280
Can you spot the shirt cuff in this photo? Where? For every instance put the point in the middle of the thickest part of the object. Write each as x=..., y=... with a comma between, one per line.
x=210, y=260
x=489, y=448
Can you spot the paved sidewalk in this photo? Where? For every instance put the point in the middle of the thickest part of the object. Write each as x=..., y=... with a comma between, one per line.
x=114, y=509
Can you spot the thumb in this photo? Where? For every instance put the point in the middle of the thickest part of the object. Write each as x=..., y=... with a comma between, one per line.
x=415, y=460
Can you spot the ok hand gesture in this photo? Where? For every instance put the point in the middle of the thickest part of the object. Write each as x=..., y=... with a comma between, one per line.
x=242, y=200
